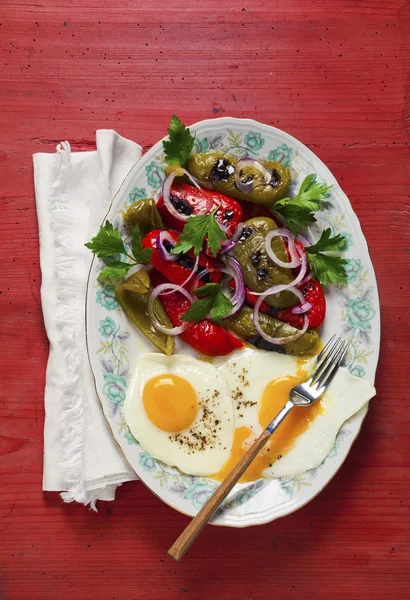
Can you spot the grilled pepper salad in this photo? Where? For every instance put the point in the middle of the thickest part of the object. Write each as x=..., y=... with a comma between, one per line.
x=225, y=259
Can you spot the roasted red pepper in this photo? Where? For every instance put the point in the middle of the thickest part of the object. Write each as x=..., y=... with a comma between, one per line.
x=313, y=293
x=302, y=249
x=206, y=337
x=190, y=201
x=177, y=271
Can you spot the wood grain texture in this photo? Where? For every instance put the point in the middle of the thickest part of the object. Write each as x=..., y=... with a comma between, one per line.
x=333, y=73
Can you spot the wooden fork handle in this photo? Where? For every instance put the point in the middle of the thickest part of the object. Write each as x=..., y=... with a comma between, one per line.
x=181, y=545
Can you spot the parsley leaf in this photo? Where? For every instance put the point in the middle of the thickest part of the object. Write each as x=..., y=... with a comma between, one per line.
x=114, y=271
x=195, y=231
x=179, y=146
x=327, y=243
x=297, y=212
x=209, y=289
x=221, y=308
x=327, y=268
x=211, y=301
x=296, y=217
x=140, y=255
x=198, y=310
x=107, y=242
x=310, y=193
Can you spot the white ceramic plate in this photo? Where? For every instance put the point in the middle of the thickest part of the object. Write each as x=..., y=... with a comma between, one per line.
x=353, y=311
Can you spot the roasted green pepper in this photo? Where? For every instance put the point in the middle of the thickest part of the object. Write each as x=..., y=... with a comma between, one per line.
x=133, y=298
x=217, y=170
x=145, y=214
x=259, y=272
x=242, y=325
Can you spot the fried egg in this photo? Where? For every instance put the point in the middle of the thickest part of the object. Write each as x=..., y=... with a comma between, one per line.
x=180, y=410
x=260, y=382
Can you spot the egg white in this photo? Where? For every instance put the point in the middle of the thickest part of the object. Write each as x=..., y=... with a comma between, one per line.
x=345, y=396
x=247, y=373
x=205, y=379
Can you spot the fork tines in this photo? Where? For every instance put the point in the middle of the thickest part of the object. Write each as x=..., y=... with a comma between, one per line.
x=328, y=361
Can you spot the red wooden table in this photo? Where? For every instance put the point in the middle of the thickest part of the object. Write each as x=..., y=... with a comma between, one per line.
x=334, y=74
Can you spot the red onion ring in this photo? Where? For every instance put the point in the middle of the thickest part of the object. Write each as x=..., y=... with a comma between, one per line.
x=164, y=236
x=238, y=298
x=248, y=186
x=295, y=256
x=227, y=245
x=292, y=284
x=306, y=279
x=299, y=310
x=166, y=191
x=238, y=232
x=280, y=340
x=304, y=240
x=157, y=291
x=193, y=272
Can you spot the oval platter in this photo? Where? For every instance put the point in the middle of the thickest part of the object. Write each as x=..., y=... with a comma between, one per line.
x=353, y=311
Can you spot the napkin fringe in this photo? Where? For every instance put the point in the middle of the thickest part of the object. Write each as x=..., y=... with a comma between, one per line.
x=71, y=421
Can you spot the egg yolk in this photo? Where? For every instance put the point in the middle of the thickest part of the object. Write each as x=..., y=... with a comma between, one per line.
x=170, y=402
x=275, y=396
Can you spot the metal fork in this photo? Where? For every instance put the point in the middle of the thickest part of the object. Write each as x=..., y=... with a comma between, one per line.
x=327, y=363
x=304, y=394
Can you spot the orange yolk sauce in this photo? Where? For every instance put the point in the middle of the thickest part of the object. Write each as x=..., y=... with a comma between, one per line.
x=275, y=396
x=170, y=402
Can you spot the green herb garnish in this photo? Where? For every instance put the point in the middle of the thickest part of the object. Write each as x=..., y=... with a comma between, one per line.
x=108, y=243
x=178, y=148
x=195, y=231
x=328, y=268
x=297, y=212
x=141, y=255
x=295, y=217
x=211, y=301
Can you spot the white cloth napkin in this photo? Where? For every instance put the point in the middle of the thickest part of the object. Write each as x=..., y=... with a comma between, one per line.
x=73, y=194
